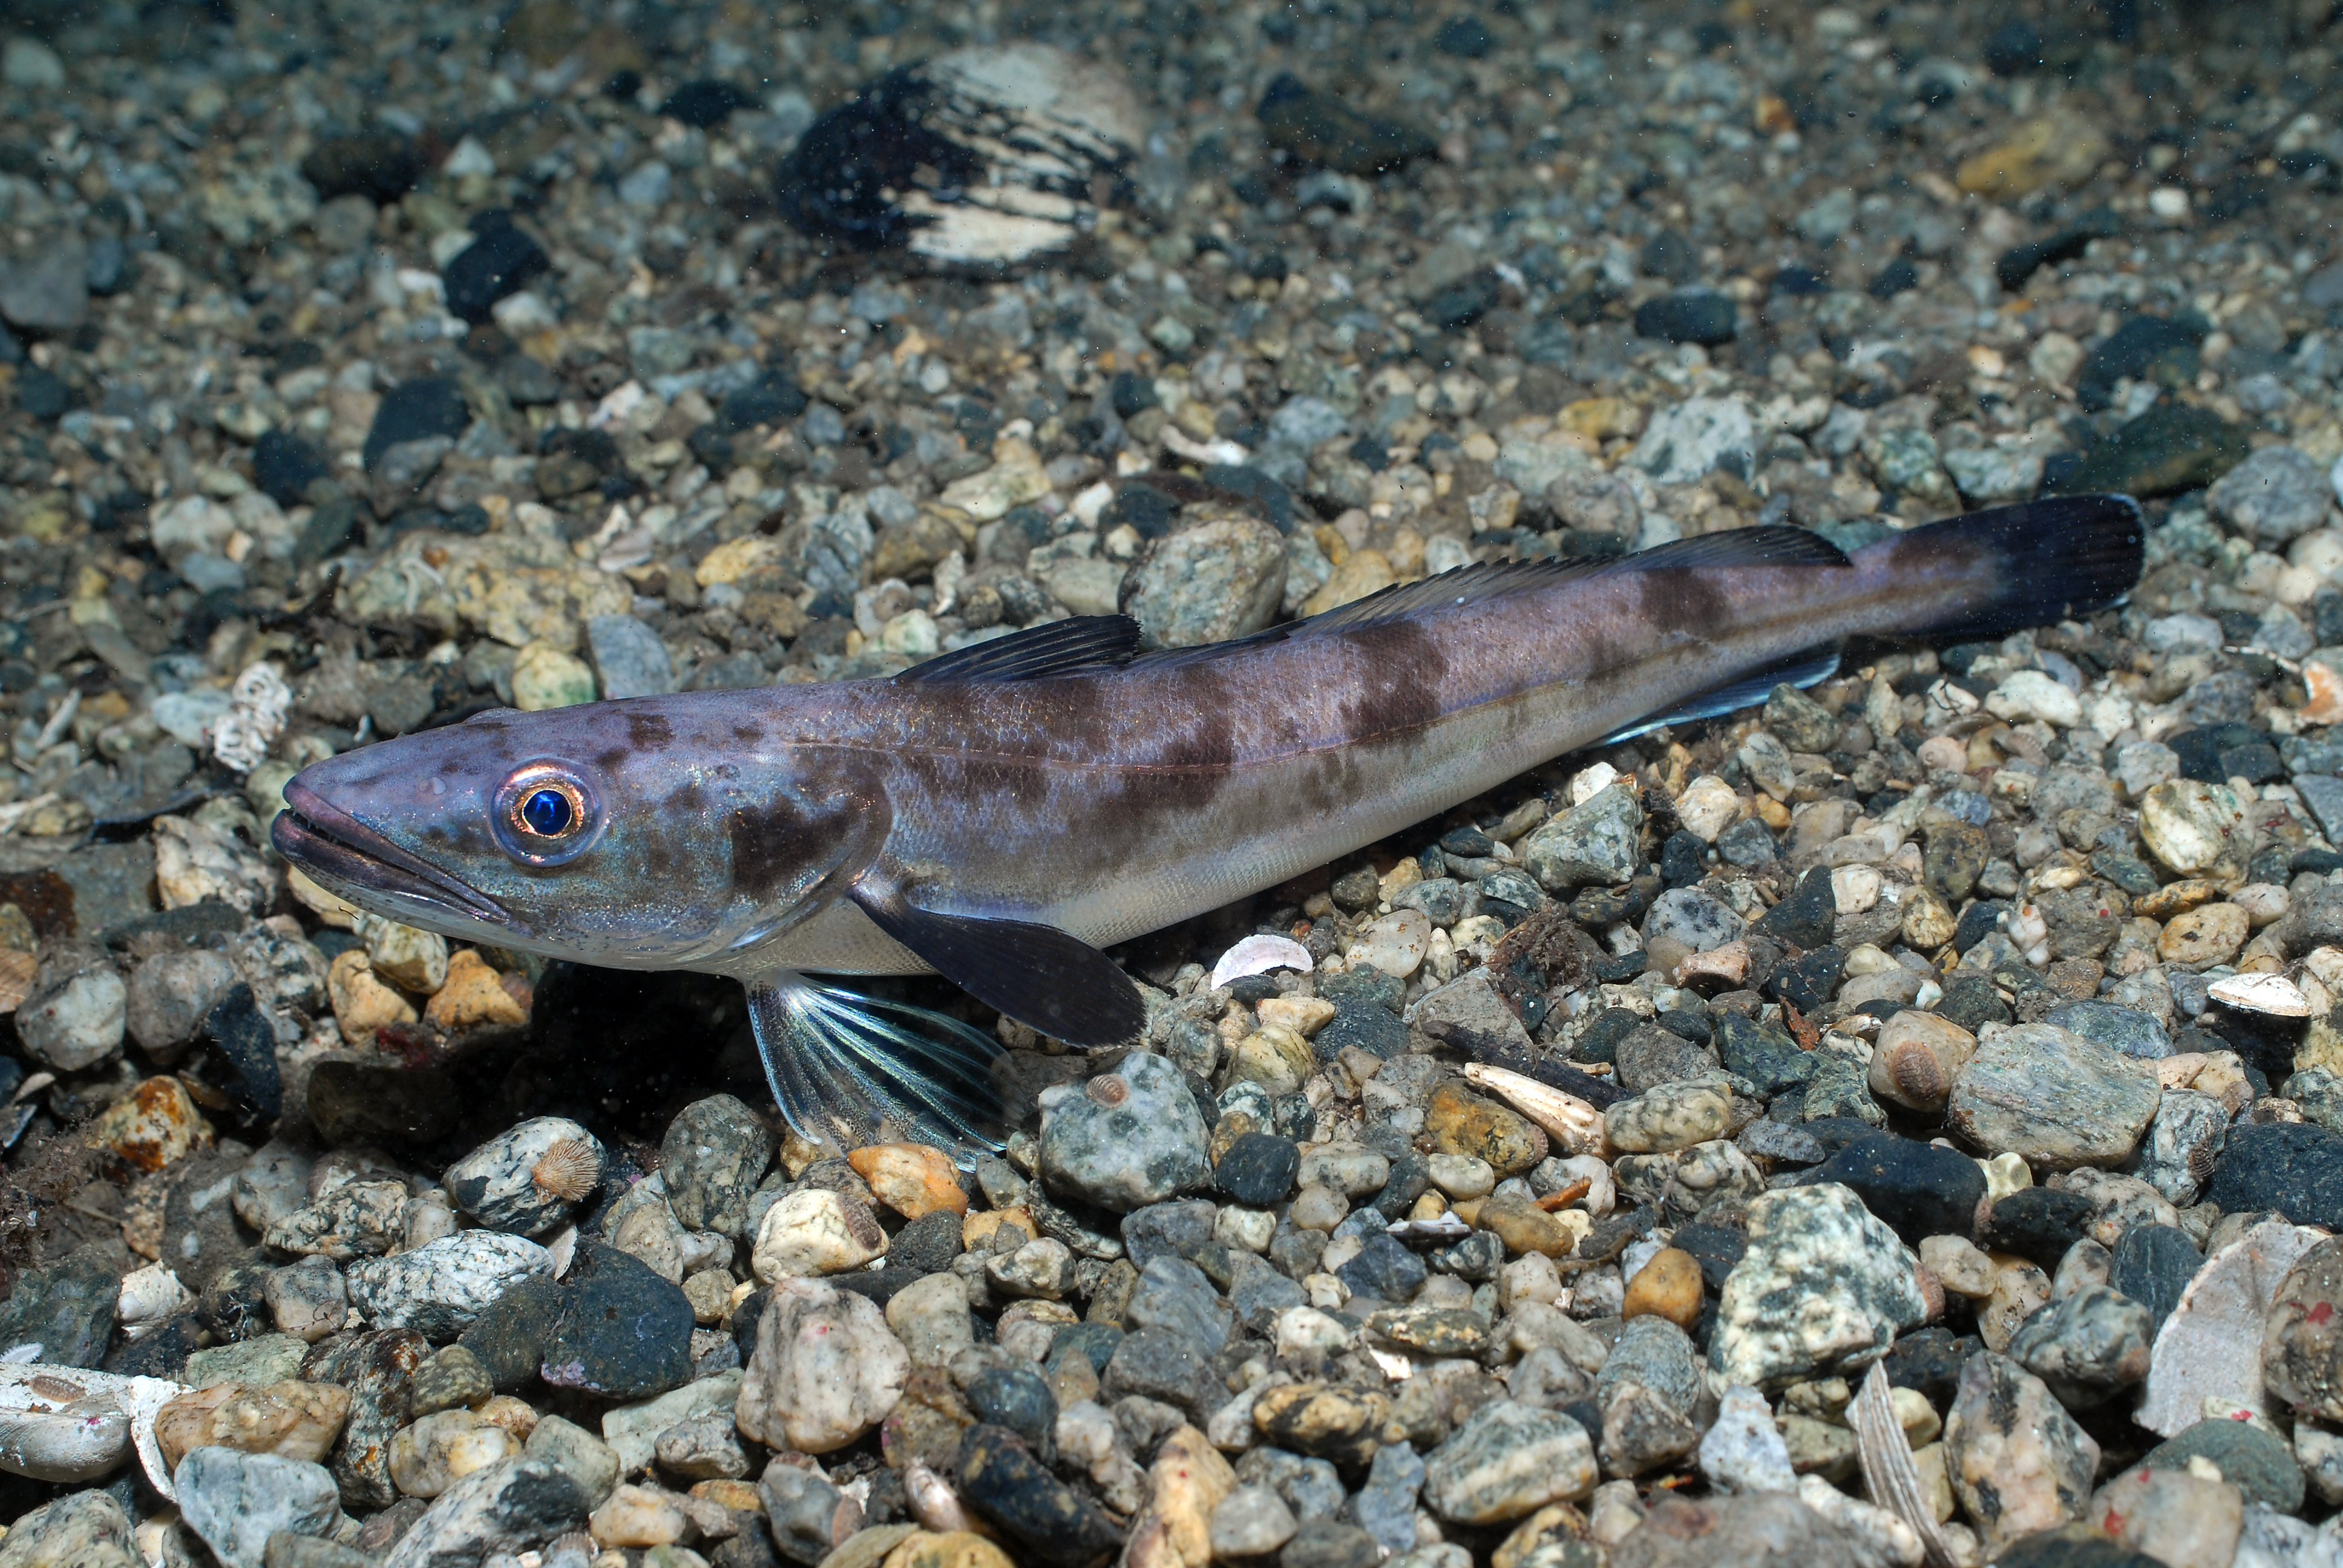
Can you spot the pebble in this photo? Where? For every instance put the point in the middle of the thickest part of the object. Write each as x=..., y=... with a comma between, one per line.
x=912, y=1179
x=2251, y=1458
x=435, y=1450
x=1742, y=1451
x=440, y=1288
x=80, y=1530
x=2188, y=825
x=1916, y=1059
x=1824, y=1287
x=1456, y=1122
x=289, y=1419
x=825, y=1370
x=1132, y=1139
x=816, y=1230
x=1594, y=842
x=1919, y=1190
x=2273, y=496
x=1049, y=1523
x=235, y=1502
x=1670, y=1116
x=715, y=1152
x=76, y=1014
x=1251, y=1522
x=2088, y=1346
x=1764, y=1530
x=529, y=1178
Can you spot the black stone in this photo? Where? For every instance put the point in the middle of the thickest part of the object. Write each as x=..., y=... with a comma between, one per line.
x=416, y=410
x=1458, y=306
x=1930, y=1361
x=1794, y=282
x=2256, y=1463
x=1763, y=1054
x=234, y=1305
x=1669, y=256
x=1686, y=1024
x=929, y=1243
x=162, y=1352
x=2129, y=872
x=501, y=260
x=1177, y=1229
x=1747, y=842
x=1319, y=128
x=1384, y=1270
x=2316, y=861
x=1093, y=1341
x=43, y=394
x=1715, y=1245
x=1017, y=1399
x=1971, y=1001
x=1259, y=1168
x=1917, y=1189
x=705, y=102
x=1163, y=1364
x=1805, y=918
x=1048, y=1522
x=2172, y=448
x=1365, y=985
x=247, y=1037
x=768, y=400
x=1976, y=922
x=2153, y=1264
x=380, y=165
x=2255, y=762
x=1372, y=452
x=284, y=467
x=1898, y=276
x=2021, y=262
x=2036, y=1223
x=1145, y=510
x=1410, y=1178
x=2152, y=347
x=1684, y=859
x=624, y=1332
x=2201, y=750
x=1366, y=1025
x=1466, y=37
x=2291, y=1167
x=1470, y=842
x=1808, y=981
x=66, y=1308
x=329, y=528
x=2071, y=1546
x=879, y=1285
x=1599, y=1041
x=1131, y=393
x=844, y=179
x=1700, y=315
x=2013, y=48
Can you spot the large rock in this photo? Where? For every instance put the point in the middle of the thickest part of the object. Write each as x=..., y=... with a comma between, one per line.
x=1130, y=1138
x=511, y=1505
x=80, y=1530
x=235, y=1502
x=442, y=1287
x=2017, y=1460
x=1506, y=1461
x=2053, y=1097
x=1218, y=580
x=2211, y=1345
x=825, y=1370
x=1592, y=842
x=1766, y=1530
x=1824, y=1289
x=714, y=1153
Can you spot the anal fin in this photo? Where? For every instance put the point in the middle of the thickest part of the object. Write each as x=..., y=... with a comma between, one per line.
x=849, y=1071
x=1800, y=669
x=1036, y=974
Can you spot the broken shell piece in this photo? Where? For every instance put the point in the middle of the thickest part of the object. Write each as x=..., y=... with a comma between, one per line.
x=1575, y=1127
x=2264, y=993
x=1888, y=1470
x=150, y=1297
x=1442, y=1227
x=986, y=156
x=933, y=1501
x=69, y=1424
x=1259, y=955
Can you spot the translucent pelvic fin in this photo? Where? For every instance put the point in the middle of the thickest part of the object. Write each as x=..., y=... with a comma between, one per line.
x=849, y=1070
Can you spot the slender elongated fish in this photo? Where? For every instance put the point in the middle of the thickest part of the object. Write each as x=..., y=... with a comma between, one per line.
x=999, y=814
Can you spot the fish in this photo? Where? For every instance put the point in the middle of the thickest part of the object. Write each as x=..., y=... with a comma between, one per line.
x=1001, y=814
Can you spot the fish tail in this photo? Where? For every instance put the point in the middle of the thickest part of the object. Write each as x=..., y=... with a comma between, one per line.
x=2044, y=561
x=849, y=1070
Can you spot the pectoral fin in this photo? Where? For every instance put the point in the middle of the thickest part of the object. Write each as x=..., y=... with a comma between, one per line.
x=849, y=1070
x=1036, y=974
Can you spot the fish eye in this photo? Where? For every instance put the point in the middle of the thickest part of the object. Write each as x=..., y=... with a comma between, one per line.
x=545, y=814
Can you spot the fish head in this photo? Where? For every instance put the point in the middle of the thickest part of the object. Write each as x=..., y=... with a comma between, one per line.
x=627, y=834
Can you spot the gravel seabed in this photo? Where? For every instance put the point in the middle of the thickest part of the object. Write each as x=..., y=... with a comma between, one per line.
x=1971, y=1017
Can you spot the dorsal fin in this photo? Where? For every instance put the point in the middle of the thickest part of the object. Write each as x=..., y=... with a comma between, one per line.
x=1076, y=644
x=1768, y=546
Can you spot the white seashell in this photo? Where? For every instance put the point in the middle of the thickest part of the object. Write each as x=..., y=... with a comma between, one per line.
x=2265, y=993
x=149, y=1297
x=69, y=1424
x=1259, y=955
x=1441, y=1227
x=933, y=1501
x=1575, y=1127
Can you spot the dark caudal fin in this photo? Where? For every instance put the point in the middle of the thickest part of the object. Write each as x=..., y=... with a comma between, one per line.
x=2058, y=558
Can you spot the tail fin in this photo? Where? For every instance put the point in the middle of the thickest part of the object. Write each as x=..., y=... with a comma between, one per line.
x=2061, y=556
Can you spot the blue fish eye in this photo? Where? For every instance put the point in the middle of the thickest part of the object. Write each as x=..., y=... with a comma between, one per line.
x=547, y=813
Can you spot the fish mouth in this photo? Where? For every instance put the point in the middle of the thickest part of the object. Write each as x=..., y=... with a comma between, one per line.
x=337, y=849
